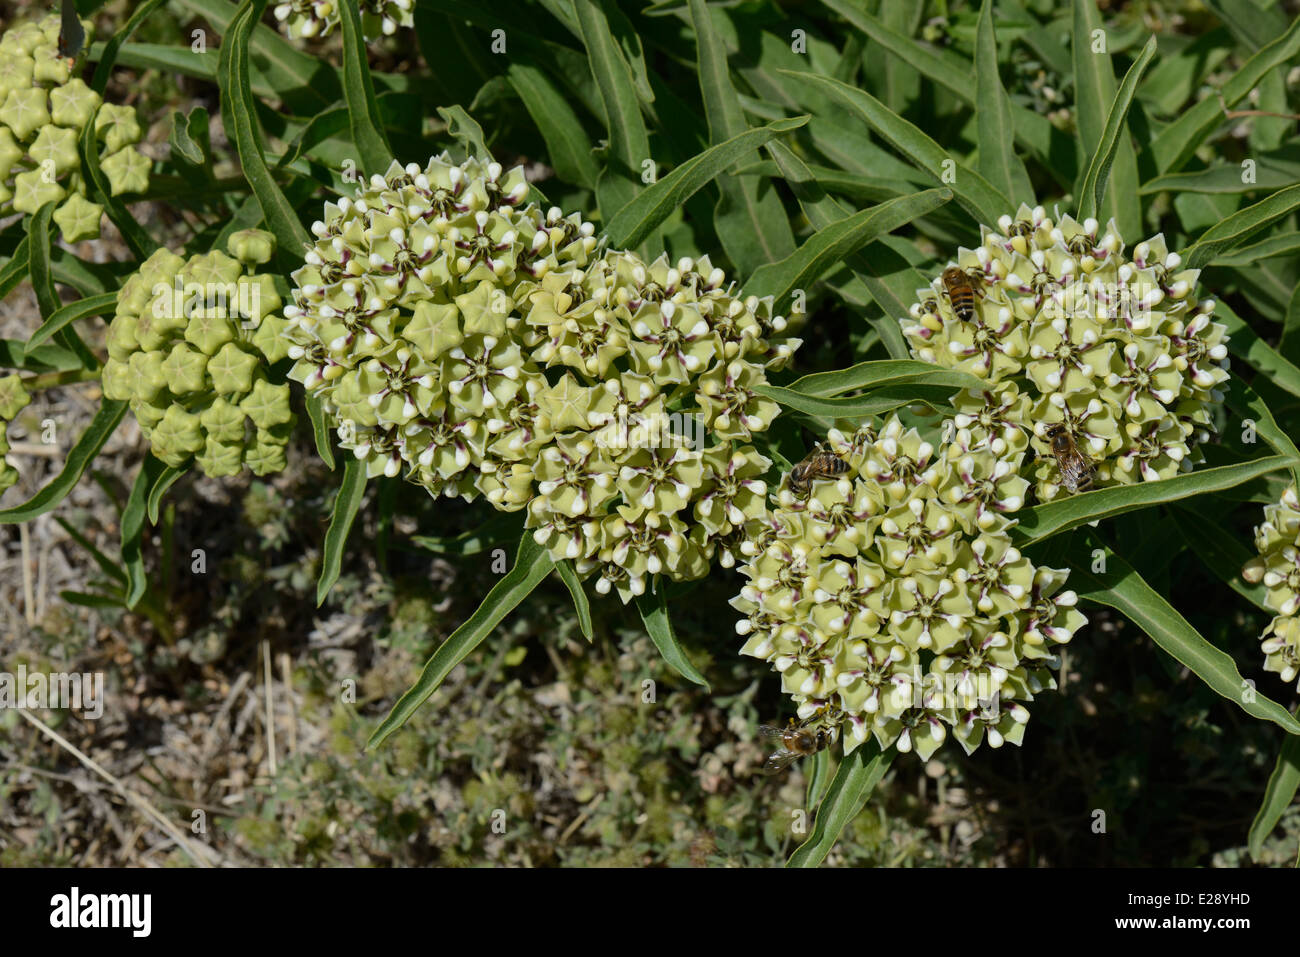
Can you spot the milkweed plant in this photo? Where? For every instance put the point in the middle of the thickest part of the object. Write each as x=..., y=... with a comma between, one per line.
x=931, y=399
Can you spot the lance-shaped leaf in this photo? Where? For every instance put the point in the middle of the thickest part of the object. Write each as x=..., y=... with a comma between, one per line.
x=532, y=564
x=240, y=115
x=83, y=453
x=1278, y=794
x=569, y=576
x=828, y=246
x=346, y=505
x=359, y=90
x=1178, y=142
x=1093, y=190
x=973, y=192
x=1122, y=588
x=635, y=221
x=856, y=778
x=654, y=612
x=1240, y=226
x=994, y=128
x=867, y=375
x=1063, y=514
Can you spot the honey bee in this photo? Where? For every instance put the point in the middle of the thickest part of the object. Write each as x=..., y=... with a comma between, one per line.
x=819, y=463
x=799, y=740
x=962, y=290
x=1076, y=470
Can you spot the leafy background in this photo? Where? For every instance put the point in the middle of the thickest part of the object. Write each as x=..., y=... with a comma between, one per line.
x=205, y=670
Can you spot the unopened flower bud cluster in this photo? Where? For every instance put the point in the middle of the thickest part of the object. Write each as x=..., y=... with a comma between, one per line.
x=13, y=398
x=1069, y=328
x=893, y=603
x=191, y=348
x=481, y=346
x=305, y=19
x=44, y=107
x=1278, y=566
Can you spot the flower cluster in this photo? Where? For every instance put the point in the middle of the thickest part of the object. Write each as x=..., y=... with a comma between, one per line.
x=892, y=601
x=304, y=19
x=191, y=347
x=1278, y=566
x=44, y=107
x=13, y=398
x=1067, y=329
x=479, y=345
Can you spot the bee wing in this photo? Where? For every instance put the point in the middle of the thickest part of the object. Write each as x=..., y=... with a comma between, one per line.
x=778, y=761
x=769, y=731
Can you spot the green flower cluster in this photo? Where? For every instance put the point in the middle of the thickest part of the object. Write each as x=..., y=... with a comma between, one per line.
x=44, y=107
x=303, y=19
x=893, y=603
x=191, y=348
x=13, y=398
x=1278, y=566
x=1066, y=328
x=481, y=346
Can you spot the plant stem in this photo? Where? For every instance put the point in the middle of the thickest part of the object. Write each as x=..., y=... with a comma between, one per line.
x=50, y=380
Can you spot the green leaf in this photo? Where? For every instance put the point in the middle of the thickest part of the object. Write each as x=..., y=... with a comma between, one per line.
x=532, y=564
x=42, y=277
x=998, y=162
x=1122, y=588
x=567, y=145
x=83, y=453
x=133, y=516
x=359, y=90
x=1174, y=145
x=888, y=293
x=162, y=482
x=973, y=192
x=16, y=267
x=239, y=114
x=320, y=429
x=109, y=567
x=49, y=358
x=654, y=613
x=136, y=237
x=101, y=305
x=104, y=69
x=1052, y=518
x=1284, y=244
x=1094, y=80
x=1052, y=147
x=580, y=604
x=1278, y=795
x=346, y=505
x=1222, y=179
x=1241, y=225
x=1244, y=401
x=828, y=246
x=866, y=375
x=750, y=220
x=1093, y=190
x=305, y=82
x=191, y=146
x=856, y=778
x=501, y=527
x=1257, y=353
x=629, y=144
x=635, y=221
x=934, y=390
x=466, y=130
